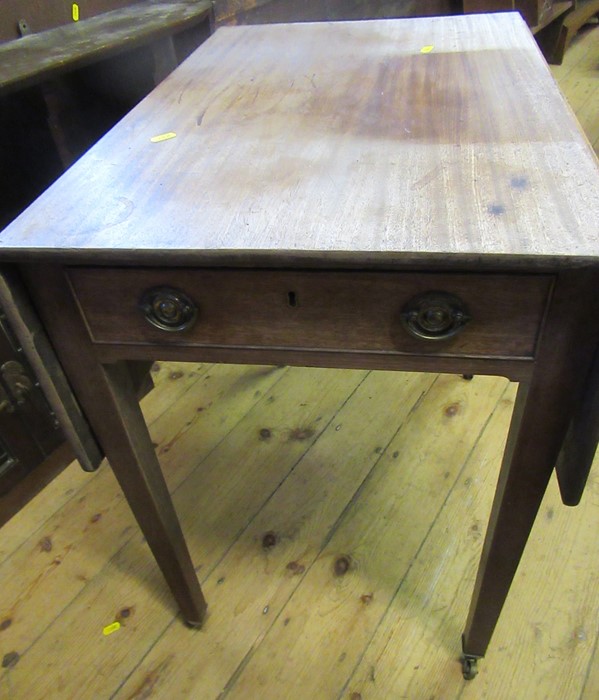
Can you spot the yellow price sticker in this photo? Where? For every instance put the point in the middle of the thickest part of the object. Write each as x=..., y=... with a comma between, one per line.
x=427, y=49
x=75, y=9
x=109, y=629
x=163, y=137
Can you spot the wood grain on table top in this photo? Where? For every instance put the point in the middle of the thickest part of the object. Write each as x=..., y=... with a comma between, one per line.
x=337, y=142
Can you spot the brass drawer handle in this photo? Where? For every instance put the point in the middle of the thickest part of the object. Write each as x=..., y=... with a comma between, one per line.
x=168, y=309
x=434, y=316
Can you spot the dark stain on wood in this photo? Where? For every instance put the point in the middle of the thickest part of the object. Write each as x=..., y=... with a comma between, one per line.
x=550, y=513
x=342, y=565
x=367, y=598
x=124, y=614
x=296, y=568
x=265, y=434
x=95, y=518
x=452, y=410
x=269, y=539
x=519, y=182
x=177, y=374
x=11, y=659
x=146, y=687
x=496, y=209
x=300, y=434
x=45, y=544
x=5, y=624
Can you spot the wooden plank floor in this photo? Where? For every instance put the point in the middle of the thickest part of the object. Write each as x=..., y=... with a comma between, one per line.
x=336, y=520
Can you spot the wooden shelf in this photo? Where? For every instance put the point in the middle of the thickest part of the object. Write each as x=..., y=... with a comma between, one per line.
x=558, y=9
x=37, y=57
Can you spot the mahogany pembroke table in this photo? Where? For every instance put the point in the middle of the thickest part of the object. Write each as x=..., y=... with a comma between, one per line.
x=397, y=194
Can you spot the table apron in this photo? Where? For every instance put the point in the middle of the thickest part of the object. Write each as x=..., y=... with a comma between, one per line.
x=515, y=370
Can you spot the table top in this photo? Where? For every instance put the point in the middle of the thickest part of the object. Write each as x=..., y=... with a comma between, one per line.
x=380, y=142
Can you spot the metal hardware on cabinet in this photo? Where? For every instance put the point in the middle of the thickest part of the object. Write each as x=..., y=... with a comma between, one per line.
x=7, y=459
x=23, y=27
x=18, y=384
x=168, y=309
x=6, y=329
x=5, y=403
x=434, y=316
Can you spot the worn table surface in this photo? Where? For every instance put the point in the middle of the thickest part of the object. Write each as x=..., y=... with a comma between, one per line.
x=336, y=140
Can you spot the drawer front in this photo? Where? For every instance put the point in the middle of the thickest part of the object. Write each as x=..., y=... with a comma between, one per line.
x=381, y=312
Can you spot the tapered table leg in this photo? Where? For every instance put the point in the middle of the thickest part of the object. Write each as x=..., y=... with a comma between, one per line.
x=544, y=408
x=133, y=459
x=522, y=483
x=580, y=445
x=108, y=399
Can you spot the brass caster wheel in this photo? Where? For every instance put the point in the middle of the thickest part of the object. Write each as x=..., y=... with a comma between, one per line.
x=469, y=667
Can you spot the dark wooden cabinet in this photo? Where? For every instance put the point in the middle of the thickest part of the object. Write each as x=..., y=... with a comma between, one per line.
x=38, y=411
x=29, y=429
x=271, y=11
x=537, y=13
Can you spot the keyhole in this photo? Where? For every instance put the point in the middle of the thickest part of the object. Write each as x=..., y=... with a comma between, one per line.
x=292, y=299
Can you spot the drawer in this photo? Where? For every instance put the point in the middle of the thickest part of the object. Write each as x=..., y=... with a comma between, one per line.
x=475, y=315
